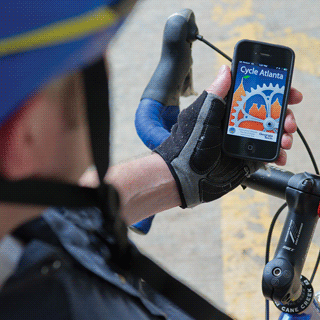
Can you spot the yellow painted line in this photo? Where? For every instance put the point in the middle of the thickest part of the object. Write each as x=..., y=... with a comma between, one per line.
x=244, y=225
x=245, y=222
x=228, y=11
x=305, y=47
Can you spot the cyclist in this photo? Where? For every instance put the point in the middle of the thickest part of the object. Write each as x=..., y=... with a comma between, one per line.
x=52, y=74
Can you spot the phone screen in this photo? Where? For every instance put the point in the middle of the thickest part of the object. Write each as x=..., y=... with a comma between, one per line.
x=257, y=101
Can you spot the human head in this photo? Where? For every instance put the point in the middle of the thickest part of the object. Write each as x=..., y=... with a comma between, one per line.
x=45, y=40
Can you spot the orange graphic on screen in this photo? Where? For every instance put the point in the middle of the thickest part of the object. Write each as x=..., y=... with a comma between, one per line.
x=247, y=113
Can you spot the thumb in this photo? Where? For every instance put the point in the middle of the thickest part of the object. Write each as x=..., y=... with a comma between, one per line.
x=222, y=83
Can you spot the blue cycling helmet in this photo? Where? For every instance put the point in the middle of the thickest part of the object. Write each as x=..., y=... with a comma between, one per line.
x=41, y=40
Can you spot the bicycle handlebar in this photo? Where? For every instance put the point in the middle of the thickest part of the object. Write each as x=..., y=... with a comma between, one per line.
x=272, y=181
x=156, y=114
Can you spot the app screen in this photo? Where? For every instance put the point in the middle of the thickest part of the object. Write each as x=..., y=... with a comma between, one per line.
x=257, y=101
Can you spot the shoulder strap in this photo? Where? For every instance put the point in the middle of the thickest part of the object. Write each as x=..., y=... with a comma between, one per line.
x=181, y=295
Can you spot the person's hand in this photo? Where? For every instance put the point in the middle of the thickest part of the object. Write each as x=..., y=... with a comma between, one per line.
x=193, y=150
x=221, y=86
x=290, y=127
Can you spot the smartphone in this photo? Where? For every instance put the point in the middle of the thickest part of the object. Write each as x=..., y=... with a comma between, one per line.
x=257, y=101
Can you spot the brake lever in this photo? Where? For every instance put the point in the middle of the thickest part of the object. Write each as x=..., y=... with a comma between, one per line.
x=172, y=77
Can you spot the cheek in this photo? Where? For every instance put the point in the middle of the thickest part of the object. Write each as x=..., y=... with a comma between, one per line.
x=49, y=133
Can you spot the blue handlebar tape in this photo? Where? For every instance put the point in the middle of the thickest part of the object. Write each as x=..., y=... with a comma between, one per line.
x=153, y=124
x=154, y=121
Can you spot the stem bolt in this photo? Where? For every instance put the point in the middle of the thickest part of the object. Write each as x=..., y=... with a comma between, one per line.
x=276, y=272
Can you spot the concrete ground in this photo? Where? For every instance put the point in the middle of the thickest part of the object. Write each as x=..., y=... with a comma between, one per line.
x=218, y=248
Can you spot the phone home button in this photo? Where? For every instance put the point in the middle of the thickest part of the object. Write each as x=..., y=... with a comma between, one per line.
x=250, y=148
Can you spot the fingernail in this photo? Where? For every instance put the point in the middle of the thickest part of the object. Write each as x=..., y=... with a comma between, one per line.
x=294, y=121
x=222, y=70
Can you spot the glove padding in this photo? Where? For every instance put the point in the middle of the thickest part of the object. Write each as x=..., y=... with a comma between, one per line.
x=193, y=154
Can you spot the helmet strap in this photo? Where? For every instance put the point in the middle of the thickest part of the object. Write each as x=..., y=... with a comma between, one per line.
x=97, y=98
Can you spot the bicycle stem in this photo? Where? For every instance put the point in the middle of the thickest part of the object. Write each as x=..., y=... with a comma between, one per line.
x=282, y=281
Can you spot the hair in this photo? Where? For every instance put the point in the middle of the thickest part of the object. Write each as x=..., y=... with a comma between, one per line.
x=70, y=92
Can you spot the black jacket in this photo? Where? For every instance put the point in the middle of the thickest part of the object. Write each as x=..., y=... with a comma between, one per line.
x=64, y=274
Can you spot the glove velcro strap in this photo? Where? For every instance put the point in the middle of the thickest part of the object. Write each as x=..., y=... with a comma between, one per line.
x=179, y=187
x=180, y=134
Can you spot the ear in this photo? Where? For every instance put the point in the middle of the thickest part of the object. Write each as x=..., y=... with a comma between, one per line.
x=18, y=158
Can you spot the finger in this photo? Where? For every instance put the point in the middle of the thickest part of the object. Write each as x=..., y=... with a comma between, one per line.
x=290, y=125
x=295, y=96
x=222, y=83
x=286, y=141
x=282, y=159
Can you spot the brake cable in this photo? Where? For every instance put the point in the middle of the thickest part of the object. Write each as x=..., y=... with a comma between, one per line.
x=277, y=214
